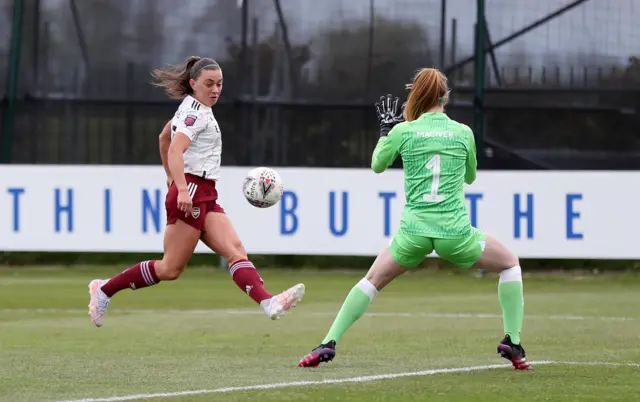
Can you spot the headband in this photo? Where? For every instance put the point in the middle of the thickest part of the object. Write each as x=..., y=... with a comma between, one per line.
x=195, y=74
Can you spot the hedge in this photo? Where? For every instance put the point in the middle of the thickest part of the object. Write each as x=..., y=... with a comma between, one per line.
x=287, y=261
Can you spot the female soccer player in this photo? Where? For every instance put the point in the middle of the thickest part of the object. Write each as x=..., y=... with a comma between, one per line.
x=438, y=156
x=191, y=148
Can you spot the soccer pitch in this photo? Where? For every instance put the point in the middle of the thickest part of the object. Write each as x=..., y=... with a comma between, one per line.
x=428, y=336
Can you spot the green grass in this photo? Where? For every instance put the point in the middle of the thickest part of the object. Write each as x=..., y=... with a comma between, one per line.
x=178, y=337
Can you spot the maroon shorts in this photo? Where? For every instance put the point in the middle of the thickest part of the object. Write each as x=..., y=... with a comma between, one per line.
x=204, y=196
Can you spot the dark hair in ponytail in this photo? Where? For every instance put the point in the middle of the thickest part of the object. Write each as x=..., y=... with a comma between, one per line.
x=175, y=79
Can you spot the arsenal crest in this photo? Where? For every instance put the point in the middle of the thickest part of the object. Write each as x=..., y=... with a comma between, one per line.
x=195, y=212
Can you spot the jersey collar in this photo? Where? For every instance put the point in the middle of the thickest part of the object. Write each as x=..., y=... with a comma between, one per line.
x=431, y=114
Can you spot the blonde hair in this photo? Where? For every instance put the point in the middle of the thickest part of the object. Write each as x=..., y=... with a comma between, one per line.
x=175, y=79
x=428, y=90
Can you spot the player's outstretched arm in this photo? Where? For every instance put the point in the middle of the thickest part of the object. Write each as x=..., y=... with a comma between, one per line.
x=388, y=146
x=387, y=150
x=472, y=161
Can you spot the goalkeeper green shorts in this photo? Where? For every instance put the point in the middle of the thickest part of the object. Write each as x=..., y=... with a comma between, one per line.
x=410, y=250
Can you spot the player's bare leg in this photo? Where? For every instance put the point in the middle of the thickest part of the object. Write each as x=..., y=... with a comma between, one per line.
x=221, y=237
x=497, y=258
x=180, y=241
x=384, y=270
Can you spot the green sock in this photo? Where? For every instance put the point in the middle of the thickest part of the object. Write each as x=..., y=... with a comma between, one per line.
x=510, y=293
x=352, y=309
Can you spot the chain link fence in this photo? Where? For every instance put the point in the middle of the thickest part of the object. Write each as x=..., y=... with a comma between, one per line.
x=300, y=77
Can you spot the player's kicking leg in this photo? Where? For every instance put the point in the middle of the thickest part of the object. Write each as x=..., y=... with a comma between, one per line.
x=221, y=237
x=246, y=277
x=382, y=272
x=278, y=305
x=497, y=258
x=98, y=301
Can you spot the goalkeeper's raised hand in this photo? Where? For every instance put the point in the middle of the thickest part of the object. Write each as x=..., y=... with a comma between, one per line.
x=388, y=113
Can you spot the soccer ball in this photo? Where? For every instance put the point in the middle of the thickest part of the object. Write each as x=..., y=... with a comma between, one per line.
x=262, y=187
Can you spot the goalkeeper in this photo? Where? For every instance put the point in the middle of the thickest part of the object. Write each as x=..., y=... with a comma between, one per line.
x=439, y=156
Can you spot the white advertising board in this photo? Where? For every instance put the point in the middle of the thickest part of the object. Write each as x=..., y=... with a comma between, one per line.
x=545, y=214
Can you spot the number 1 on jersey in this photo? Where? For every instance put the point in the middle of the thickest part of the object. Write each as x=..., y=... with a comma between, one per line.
x=434, y=165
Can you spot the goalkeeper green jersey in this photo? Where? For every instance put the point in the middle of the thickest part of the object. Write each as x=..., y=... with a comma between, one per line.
x=439, y=156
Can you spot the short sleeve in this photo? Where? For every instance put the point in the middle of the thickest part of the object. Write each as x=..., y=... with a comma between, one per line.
x=190, y=122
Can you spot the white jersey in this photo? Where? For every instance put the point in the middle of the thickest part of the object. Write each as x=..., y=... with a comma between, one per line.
x=196, y=121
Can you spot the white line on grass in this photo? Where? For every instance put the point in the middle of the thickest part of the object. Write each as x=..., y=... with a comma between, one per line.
x=324, y=313
x=340, y=381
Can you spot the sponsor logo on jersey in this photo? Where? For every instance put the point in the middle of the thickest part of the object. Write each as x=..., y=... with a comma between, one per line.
x=190, y=120
x=428, y=134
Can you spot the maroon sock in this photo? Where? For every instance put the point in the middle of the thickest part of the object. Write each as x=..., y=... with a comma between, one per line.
x=139, y=276
x=246, y=276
